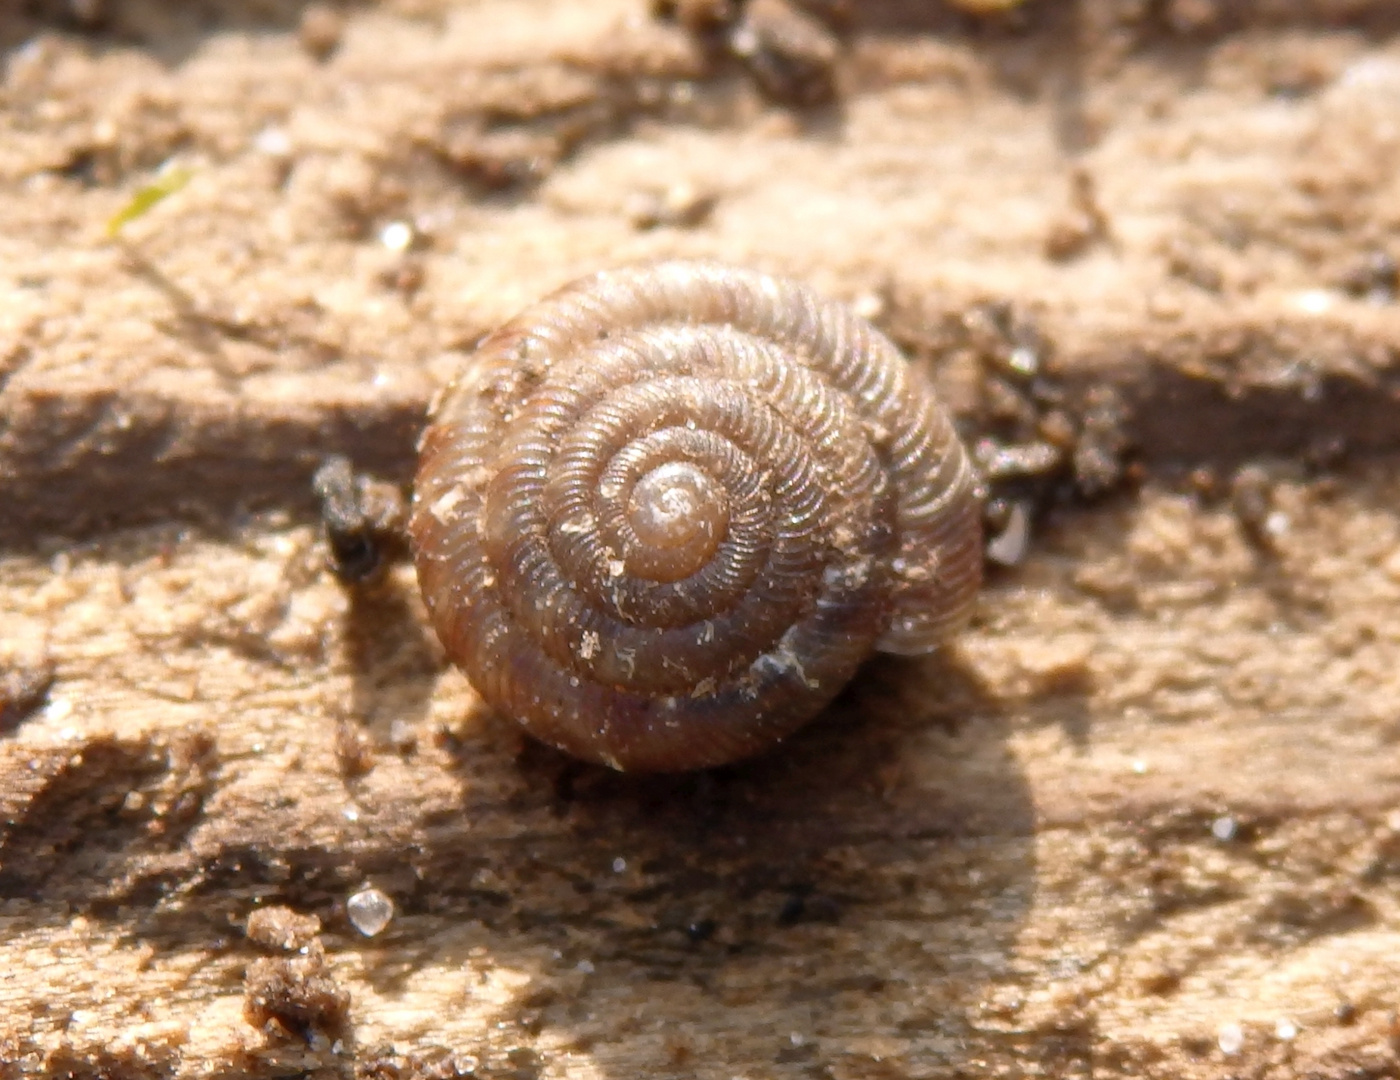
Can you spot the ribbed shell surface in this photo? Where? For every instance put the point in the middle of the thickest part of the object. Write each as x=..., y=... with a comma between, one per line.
x=664, y=514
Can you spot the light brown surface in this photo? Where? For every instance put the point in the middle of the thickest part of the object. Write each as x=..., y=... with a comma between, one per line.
x=1152, y=794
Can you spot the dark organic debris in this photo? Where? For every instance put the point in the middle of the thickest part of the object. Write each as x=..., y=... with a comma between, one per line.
x=296, y=997
x=363, y=519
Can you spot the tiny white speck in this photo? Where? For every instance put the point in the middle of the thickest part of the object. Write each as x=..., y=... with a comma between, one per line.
x=1285, y=1029
x=1314, y=301
x=369, y=911
x=1230, y=1038
x=911, y=571
x=273, y=142
x=397, y=236
x=59, y=708
x=585, y=967
x=797, y=1039
x=1373, y=74
x=1277, y=523
x=1224, y=828
x=619, y=865
x=868, y=305
x=443, y=505
x=1140, y=767
x=1024, y=360
x=350, y=813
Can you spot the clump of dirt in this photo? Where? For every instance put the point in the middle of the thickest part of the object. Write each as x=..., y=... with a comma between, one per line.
x=296, y=997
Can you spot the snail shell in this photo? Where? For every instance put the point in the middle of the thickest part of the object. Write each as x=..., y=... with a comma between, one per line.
x=664, y=514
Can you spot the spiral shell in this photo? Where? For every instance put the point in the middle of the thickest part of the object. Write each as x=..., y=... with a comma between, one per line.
x=664, y=514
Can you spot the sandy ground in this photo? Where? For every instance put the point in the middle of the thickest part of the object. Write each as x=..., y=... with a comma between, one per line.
x=1143, y=819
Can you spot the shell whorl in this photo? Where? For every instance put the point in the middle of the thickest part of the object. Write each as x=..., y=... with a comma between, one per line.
x=664, y=514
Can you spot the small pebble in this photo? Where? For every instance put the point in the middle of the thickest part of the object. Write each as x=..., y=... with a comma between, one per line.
x=696, y=16
x=1375, y=278
x=279, y=927
x=88, y=12
x=24, y=690
x=1009, y=547
x=681, y=205
x=1022, y=459
x=1230, y=1038
x=1224, y=828
x=403, y=735
x=369, y=911
x=1024, y=360
x=321, y=30
x=1285, y=1029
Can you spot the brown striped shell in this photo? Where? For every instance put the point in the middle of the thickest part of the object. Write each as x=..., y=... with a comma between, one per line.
x=664, y=514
